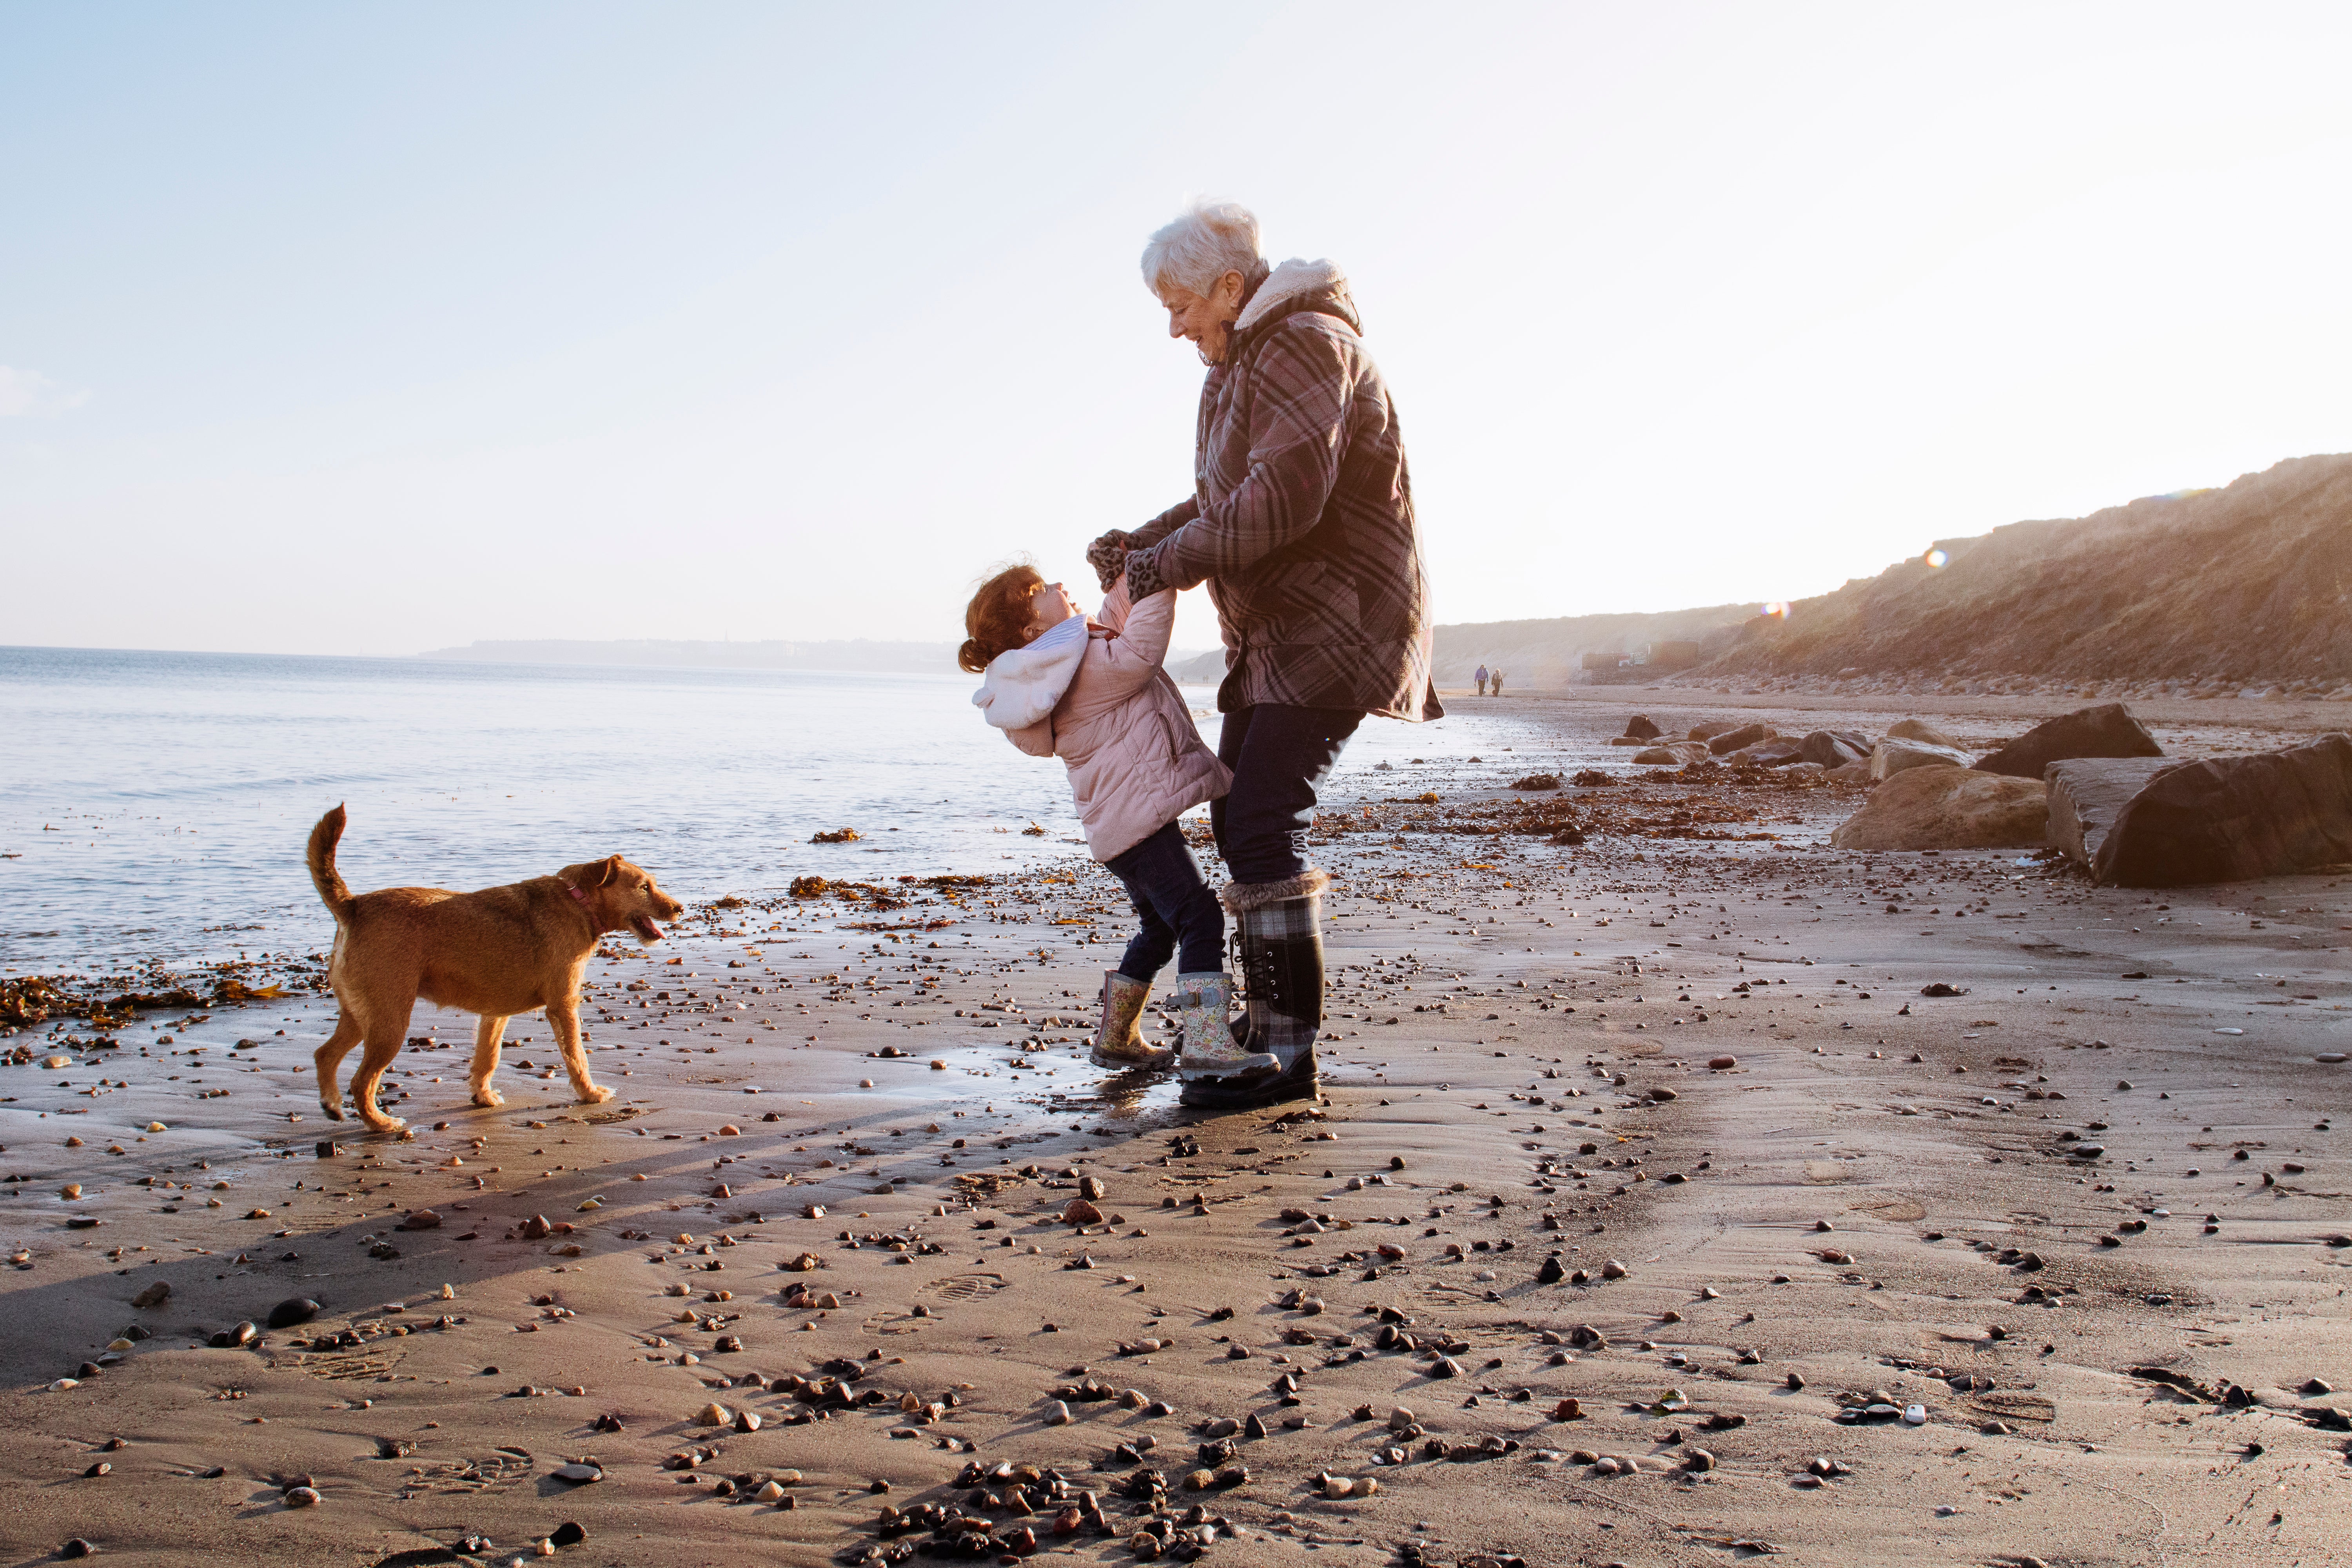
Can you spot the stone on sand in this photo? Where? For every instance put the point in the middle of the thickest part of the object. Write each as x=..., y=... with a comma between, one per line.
x=1639, y=728
x=1897, y=755
x=2228, y=819
x=1773, y=752
x=1734, y=740
x=1920, y=729
x=1834, y=749
x=1948, y=808
x=2107, y=730
x=2088, y=794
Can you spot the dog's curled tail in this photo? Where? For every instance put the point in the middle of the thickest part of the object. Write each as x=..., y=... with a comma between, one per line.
x=334, y=892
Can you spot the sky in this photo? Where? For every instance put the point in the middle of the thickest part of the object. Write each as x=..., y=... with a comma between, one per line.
x=369, y=329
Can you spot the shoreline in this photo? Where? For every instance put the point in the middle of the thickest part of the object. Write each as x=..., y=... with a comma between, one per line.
x=1488, y=991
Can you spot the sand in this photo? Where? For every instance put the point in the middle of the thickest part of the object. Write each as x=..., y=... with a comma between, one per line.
x=1489, y=993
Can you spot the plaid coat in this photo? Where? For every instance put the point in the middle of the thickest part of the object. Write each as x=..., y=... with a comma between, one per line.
x=1301, y=516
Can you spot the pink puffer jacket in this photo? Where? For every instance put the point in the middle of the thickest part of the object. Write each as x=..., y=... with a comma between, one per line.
x=1103, y=704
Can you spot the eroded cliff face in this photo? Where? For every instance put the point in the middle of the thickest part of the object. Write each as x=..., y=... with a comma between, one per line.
x=2251, y=583
x=2248, y=585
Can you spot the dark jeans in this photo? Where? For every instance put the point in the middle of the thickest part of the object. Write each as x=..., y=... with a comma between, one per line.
x=1278, y=755
x=1166, y=887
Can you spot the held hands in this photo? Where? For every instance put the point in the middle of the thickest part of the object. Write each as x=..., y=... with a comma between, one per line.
x=1108, y=556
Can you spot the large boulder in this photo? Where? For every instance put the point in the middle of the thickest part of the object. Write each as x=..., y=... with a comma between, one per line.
x=1920, y=729
x=1894, y=755
x=1779, y=752
x=1948, y=808
x=1733, y=740
x=1712, y=727
x=1836, y=748
x=2229, y=819
x=2087, y=794
x=1639, y=728
x=2107, y=730
x=1674, y=754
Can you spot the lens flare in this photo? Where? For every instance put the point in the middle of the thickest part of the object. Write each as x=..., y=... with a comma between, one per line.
x=1778, y=609
x=1936, y=558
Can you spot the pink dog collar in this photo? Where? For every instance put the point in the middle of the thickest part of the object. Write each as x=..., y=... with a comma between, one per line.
x=575, y=892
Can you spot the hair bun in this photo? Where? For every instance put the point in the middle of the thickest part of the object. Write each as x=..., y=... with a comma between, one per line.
x=971, y=659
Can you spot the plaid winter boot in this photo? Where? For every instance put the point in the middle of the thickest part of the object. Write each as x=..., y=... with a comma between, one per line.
x=1118, y=1042
x=1280, y=936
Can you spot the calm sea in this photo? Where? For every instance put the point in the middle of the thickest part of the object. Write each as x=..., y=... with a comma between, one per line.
x=155, y=805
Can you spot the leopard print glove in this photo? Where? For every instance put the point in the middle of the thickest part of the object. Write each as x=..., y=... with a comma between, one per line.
x=1108, y=556
x=1142, y=576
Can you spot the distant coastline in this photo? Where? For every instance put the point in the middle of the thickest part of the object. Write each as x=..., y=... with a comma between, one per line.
x=858, y=654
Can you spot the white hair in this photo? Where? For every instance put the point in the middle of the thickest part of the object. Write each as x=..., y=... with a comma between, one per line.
x=1211, y=239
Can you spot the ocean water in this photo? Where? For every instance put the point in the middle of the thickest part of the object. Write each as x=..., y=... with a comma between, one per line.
x=156, y=805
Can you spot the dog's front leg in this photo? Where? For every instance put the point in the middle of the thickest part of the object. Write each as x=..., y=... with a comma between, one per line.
x=487, y=1031
x=563, y=1018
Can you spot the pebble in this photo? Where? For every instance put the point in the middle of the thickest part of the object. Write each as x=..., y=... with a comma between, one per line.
x=287, y=1313
x=302, y=1497
x=155, y=1295
x=1722, y=1064
x=714, y=1415
x=77, y=1547
x=1057, y=1415
x=578, y=1473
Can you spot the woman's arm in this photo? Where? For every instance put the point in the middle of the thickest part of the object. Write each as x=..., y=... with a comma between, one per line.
x=1306, y=376
x=1108, y=553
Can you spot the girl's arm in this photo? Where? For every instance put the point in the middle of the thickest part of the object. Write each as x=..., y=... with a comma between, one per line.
x=1133, y=657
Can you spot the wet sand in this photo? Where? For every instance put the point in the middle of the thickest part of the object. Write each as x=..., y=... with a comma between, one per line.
x=1851, y=1203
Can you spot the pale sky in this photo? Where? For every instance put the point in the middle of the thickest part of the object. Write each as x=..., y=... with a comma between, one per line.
x=375, y=328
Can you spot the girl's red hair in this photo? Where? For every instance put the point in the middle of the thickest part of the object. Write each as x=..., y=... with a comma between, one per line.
x=998, y=617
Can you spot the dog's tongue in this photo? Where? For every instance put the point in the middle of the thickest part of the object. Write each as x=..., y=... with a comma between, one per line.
x=647, y=929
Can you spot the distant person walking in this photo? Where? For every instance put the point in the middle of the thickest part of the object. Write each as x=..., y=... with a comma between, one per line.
x=1497, y=678
x=1301, y=522
x=1482, y=681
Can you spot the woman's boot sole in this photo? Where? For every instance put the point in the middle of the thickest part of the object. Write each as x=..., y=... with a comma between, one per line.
x=1231, y=1094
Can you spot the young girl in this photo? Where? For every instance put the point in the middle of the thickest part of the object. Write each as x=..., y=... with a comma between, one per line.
x=1093, y=693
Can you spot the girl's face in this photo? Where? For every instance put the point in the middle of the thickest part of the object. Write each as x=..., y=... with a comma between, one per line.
x=1049, y=607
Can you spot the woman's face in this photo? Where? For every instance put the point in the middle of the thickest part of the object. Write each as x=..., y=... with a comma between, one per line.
x=1049, y=607
x=1205, y=319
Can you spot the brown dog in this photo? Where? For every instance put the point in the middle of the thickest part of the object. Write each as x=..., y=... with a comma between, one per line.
x=495, y=952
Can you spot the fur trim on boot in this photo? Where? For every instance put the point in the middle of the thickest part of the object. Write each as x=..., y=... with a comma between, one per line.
x=1239, y=897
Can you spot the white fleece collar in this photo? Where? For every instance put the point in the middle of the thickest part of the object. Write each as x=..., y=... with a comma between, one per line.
x=1023, y=683
x=1288, y=281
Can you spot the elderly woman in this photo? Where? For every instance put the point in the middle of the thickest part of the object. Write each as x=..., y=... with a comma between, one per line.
x=1300, y=520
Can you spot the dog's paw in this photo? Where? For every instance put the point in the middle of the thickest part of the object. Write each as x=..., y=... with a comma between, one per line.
x=595, y=1094
x=385, y=1123
x=334, y=1113
x=489, y=1096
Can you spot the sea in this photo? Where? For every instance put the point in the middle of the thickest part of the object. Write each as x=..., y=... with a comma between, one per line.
x=153, y=806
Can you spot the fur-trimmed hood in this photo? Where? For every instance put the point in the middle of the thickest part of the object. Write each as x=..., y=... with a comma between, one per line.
x=1297, y=285
x=1023, y=683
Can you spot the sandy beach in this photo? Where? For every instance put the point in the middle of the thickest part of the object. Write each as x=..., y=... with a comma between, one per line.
x=1565, y=1290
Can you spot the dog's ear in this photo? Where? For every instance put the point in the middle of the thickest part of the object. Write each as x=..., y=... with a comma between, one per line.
x=602, y=872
